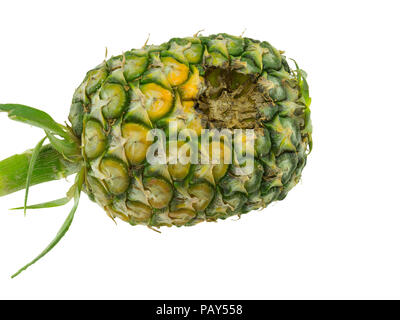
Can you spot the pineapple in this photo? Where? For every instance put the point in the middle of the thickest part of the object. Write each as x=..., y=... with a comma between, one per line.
x=196, y=91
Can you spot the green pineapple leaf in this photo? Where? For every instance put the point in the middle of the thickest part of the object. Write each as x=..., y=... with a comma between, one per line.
x=54, y=203
x=50, y=204
x=33, y=117
x=66, y=147
x=301, y=79
x=34, y=157
x=64, y=228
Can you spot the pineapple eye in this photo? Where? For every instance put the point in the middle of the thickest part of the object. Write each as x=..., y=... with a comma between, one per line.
x=115, y=99
x=176, y=72
x=277, y=93
x=134, y=67
x=138, y=212
x=287, y=162
x=191, y=88
x=95, y=139
x=176, y=168
x=254, y=181
x=116, y=175
x=223, y=159
x=263, y=143
x=159, y=100
x=181, y=216
x=194, y=54
x=95, y=79
x=203, y=193
x=99, y=193
x=137, y=144
x=160, y=192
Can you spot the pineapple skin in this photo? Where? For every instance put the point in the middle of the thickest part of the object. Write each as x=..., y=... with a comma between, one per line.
x=125, y=97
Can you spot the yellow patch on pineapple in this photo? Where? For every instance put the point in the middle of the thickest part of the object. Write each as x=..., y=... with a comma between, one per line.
x=196, y=126
x=117, y=179
x=178, y=170
x=176, y=72
x=158, y=100
x=244, y=144
x=137, y=144
x=223, y=158
x=190, y=89
x=188, y=106
x=160, y=192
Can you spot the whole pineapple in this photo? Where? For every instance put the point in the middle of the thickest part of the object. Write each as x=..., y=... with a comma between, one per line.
x=181, y=87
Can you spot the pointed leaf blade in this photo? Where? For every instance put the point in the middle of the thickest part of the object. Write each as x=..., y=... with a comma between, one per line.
x=50, y=204
x=305, y=92
x=32, y=116
x=34, y=157
x=63, y=146
x=64, y=228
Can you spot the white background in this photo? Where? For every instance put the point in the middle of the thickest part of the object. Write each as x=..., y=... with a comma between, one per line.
x=336, y=235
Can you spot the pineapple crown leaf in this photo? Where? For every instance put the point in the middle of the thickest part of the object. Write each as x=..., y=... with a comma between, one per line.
x=37, y=118
x=34, y=117
x=301, y=79
x=50, y=204
x=77, y=187
x=53, y=203
x=67, y=147
x=34, y=157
